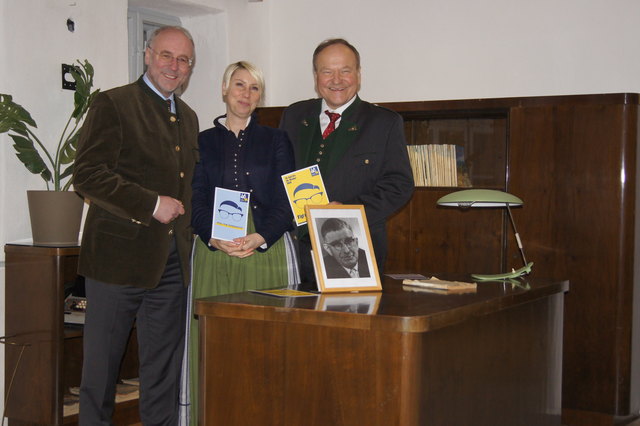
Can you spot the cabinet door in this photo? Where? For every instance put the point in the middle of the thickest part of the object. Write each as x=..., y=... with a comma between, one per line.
x=34, y=293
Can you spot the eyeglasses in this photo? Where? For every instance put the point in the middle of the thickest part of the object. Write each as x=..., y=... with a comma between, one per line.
x=343, y=243
x=314, y=199
x=225, y=214
x=167, y=58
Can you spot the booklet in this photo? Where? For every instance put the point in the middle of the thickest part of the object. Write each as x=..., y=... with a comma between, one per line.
x=304, y=186
x=285, y=292
x=230, y=214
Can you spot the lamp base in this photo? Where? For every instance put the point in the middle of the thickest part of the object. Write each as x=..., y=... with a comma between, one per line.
x=525, y=270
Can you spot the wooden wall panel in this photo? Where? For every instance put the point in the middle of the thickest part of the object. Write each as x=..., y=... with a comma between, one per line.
x=573, y=224
x=424, y=237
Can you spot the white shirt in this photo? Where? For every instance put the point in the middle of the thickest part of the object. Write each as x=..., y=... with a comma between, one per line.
x=324, y=118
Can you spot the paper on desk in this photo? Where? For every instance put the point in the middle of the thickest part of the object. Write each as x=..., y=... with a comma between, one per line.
x=436, y=283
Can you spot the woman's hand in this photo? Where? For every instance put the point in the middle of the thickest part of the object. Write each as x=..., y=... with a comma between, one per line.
x=240, y=247
x=229, y=247
x=248, y=244
x=251, y=241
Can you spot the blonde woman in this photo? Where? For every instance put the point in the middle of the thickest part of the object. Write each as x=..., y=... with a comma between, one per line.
x=239, y=154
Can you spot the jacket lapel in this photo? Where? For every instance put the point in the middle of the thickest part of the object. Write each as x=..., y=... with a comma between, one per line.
x=308, y=124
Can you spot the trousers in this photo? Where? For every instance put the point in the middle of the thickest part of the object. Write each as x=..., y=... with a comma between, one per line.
x=159, y=317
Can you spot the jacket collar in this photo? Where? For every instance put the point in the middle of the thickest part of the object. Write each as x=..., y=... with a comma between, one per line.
x=155, y=96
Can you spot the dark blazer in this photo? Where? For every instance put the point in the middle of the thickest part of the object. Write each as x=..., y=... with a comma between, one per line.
x=372, y=170
x=132, y=149
x=269, y=155
x=335, y=270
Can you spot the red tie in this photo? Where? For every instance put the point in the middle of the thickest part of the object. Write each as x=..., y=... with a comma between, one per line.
x=333, y=117
x=168, y=101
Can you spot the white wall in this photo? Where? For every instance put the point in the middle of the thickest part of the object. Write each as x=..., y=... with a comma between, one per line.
x=411, y=50
x=453, y=49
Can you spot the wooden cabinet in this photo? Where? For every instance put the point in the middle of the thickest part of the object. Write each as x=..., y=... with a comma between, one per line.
x=43, y=357
x=573, y=160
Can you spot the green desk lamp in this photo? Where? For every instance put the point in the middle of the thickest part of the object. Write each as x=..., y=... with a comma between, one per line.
x=490, y=198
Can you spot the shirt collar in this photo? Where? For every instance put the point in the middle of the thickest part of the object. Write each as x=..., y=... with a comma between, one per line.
x=222, y=120
x=340, y=109
x=152, y=87
x=354, y=269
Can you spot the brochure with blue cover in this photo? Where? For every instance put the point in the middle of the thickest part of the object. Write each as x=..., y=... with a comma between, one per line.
x=230, y=214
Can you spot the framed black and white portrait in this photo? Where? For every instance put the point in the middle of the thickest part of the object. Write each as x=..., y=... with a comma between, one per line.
x=342, y=254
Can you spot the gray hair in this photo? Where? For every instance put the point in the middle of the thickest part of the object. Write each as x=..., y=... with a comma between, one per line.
x=183, y=30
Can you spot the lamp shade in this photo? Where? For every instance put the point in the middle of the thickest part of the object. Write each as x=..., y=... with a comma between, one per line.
x=479, y=198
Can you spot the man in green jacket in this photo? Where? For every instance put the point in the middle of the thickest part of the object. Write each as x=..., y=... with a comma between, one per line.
x=136, y=155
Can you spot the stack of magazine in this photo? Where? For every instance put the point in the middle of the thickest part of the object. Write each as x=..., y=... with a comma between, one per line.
x=438, y=165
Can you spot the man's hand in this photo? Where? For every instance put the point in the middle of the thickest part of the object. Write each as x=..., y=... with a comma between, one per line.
x=168, y=209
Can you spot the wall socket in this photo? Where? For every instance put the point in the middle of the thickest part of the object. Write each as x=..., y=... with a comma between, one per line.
x=68, y=82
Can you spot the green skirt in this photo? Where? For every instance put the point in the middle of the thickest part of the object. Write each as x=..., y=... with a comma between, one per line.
x=216, y=273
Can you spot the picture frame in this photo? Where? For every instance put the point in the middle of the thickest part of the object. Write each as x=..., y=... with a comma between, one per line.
x=342, y=253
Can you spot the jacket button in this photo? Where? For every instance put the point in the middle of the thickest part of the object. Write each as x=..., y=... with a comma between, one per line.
x=172, y=119
x=178, y=148
x=181, y=174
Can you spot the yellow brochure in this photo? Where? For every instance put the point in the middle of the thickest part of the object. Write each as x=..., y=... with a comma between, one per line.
x=304, y=186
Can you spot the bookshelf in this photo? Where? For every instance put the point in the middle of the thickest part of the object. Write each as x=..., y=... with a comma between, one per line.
x=459, y=152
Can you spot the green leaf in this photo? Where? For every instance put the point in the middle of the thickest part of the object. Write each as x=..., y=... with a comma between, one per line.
x=68, y=151
x=67, y=172
x=30, y=157
x=83, y=77
x=13, y=117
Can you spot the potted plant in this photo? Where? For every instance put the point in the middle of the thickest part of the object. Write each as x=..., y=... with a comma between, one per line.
x=55, y=167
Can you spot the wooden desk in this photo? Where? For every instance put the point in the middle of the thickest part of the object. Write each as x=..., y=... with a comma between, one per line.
x=493, y=357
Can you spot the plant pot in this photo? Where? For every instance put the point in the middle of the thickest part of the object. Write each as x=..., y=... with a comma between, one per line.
x=55, y=217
